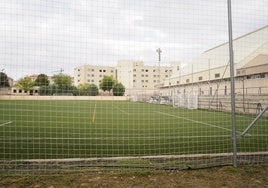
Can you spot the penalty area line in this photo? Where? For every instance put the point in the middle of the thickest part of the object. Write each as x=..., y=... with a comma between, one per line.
x=6, y=123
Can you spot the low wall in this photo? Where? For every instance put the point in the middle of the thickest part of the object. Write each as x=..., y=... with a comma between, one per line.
x=249, y=104
x=26, y=97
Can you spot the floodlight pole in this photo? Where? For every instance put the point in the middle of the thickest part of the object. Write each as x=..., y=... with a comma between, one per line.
x=231, y=55
x=159, y=51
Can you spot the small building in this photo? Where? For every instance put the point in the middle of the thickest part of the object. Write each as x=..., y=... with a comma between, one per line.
x=17, y=91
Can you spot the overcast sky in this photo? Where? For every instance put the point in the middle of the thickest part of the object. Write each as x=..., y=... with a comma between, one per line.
x=43, y=36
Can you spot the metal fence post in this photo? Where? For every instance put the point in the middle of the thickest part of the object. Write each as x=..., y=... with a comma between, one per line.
x=231, y=55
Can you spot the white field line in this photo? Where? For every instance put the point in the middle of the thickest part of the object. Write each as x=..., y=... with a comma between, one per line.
x=6, y=123
x=199, y=122
x=144, y=157
x=121, y=110
x=114, y=138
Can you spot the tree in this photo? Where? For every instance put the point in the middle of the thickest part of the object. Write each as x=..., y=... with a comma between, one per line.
x=25, y=84
x=41, y=80
x=3, y=80
x=62, y=81
x=93, y=90
x=63, y=85
x=107, y=83
x=83, y=88
x=47, y=90
x=88, y=89
x=119, y=89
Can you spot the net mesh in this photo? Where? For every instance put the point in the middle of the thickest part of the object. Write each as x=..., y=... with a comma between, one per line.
x=101, y=85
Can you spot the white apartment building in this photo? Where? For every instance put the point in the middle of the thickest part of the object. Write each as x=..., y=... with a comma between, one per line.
x=134, y=75
x=92, y=74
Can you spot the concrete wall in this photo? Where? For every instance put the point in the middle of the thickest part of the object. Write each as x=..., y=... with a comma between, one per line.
x=248, y=104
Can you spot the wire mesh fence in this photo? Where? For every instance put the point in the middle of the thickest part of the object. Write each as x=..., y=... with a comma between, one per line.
x=101, y=85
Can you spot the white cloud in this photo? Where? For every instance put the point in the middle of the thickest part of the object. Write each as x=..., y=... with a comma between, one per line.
x=42, y=36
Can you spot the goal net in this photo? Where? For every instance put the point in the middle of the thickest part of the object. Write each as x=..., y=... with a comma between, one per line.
x=186, y=100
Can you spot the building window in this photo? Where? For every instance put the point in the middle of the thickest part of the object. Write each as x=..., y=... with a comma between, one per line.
x=112, y=71
x=166, y=76
x=134, y=70
x=178, y=82
x=92, y=70
x=78, y=69
x=104, y=70
x=100, y=70
x=146, y=70
x=217, y=75
x=225, y=90
x=188, y=80
x=142, y=70
x=257, y=76
x=14, y=91
x=200, y=78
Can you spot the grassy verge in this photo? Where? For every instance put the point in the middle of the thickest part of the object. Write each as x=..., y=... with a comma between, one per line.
x=245, y=176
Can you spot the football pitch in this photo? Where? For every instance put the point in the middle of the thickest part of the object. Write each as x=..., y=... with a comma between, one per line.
x=84, y=129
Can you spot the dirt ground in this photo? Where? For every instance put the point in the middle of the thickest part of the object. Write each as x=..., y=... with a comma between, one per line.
x=245, y=176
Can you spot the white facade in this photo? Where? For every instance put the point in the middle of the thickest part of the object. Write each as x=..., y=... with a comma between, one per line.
x=213, y=64
x=92, y=74
x=134, y=75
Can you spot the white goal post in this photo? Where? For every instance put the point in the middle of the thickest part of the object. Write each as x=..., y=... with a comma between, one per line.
x=186, y=100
